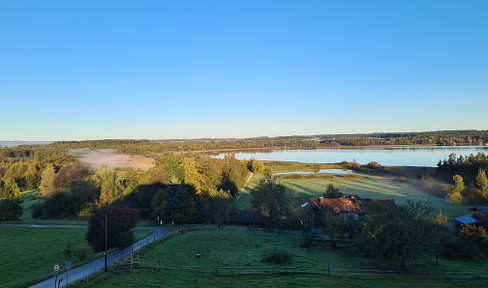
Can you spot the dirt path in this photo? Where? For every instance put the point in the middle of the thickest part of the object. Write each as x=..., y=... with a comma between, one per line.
x=244, y=187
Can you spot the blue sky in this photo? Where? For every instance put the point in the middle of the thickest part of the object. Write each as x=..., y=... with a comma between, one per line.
x=74, y=70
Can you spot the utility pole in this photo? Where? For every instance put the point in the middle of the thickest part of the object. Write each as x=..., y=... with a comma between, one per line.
x=106, y=237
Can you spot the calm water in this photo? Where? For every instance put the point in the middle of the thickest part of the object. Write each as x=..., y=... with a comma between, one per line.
x=17, y=143
x=395, y=156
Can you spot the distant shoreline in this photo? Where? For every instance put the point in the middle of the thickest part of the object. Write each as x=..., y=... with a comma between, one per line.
x=223, y=150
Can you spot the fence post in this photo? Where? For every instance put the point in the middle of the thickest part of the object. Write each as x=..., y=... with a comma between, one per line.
x=328, y=269
x=159, y=265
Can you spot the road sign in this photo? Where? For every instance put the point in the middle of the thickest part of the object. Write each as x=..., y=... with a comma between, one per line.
x=56, y=267
x=67, y=264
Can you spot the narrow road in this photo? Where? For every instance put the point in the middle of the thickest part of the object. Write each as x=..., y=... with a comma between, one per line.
x=86, y=270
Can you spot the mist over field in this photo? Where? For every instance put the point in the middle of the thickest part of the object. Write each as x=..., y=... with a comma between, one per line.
x=112, y=159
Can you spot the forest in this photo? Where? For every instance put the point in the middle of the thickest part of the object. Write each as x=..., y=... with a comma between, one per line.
x=151, y=147
x=469, y=169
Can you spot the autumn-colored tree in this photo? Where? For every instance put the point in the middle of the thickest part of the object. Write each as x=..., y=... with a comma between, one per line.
x=482, y=182
x=10, y=202
x=110, y=188
x=47, y=182
x=9, y=189
x=456, y=194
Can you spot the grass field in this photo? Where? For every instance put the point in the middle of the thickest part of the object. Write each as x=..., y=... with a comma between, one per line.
x=26, y=218
x=232, y=258
x=29, y=254
x=300, y=190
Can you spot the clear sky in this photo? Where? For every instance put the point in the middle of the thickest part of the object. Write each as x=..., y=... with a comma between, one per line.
x=160, y=69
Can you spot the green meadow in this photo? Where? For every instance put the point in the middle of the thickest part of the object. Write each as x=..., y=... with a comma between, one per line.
x=29, y=199
x=233, y=257
x=29, y=254
x=299, y=191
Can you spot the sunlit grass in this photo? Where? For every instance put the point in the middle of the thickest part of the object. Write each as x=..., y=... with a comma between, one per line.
x=299, y=191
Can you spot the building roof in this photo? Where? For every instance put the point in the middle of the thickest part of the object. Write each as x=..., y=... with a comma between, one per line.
x=338, y=205
x=345, y=204
x=467, y=219
x=483, y=210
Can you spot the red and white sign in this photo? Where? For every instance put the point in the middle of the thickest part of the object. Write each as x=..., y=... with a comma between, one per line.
x=56, y=267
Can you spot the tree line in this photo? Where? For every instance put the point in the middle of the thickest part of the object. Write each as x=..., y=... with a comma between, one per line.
x=151, y=147
x=470, y=169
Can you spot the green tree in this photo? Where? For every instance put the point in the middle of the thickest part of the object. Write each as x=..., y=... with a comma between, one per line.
x=306, y=220
x=332, y=226
x=47, y=182
x=178, y=203
x=222, y=204
x=173, y=166
x=404, y=231
x=332, y=192
x=110, y=188
x=120, y=221
x=257, y=166
x=10, y=190
x=10, y=203
x=69, y=176
x=482, y=182
x=269, y=199
x=10, y=209
x=456, y=194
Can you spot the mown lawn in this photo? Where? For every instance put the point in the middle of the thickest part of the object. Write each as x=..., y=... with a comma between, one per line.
x=232, y=258
x=299, y=191
x=29, y=254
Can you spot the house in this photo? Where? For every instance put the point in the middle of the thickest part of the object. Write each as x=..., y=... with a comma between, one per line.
x=347, y=207
x=479, y=214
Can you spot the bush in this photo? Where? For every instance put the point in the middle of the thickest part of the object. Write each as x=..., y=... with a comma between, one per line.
x=400, y=179
x=10, y=209
x=373, y=165
x=83, y=253
x=57, y=206
x=277, y=256
x=353, y=176
x=355, y=165
x=460, y=249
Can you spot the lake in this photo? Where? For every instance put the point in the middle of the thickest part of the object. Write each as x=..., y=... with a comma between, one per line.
x=427, y=156
x=17, y=143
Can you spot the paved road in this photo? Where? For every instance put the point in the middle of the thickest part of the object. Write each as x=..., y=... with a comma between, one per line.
x=97, y=265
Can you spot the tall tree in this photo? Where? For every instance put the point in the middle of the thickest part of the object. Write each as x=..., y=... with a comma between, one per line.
x=269, y=199
x=121, y=220
x=47, y=182
x=456, y=194
x=482, y=182
x=405, y=231
x=110, y=188
x=10, y=190
x=10, y=202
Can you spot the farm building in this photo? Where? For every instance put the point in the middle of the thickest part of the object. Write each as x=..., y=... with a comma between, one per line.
x=479, y=214
x=348, y=207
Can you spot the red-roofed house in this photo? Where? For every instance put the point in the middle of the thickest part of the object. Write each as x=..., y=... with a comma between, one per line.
x=347, y=207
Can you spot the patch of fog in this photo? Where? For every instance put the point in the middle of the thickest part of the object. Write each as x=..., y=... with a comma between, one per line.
x=111, y=158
